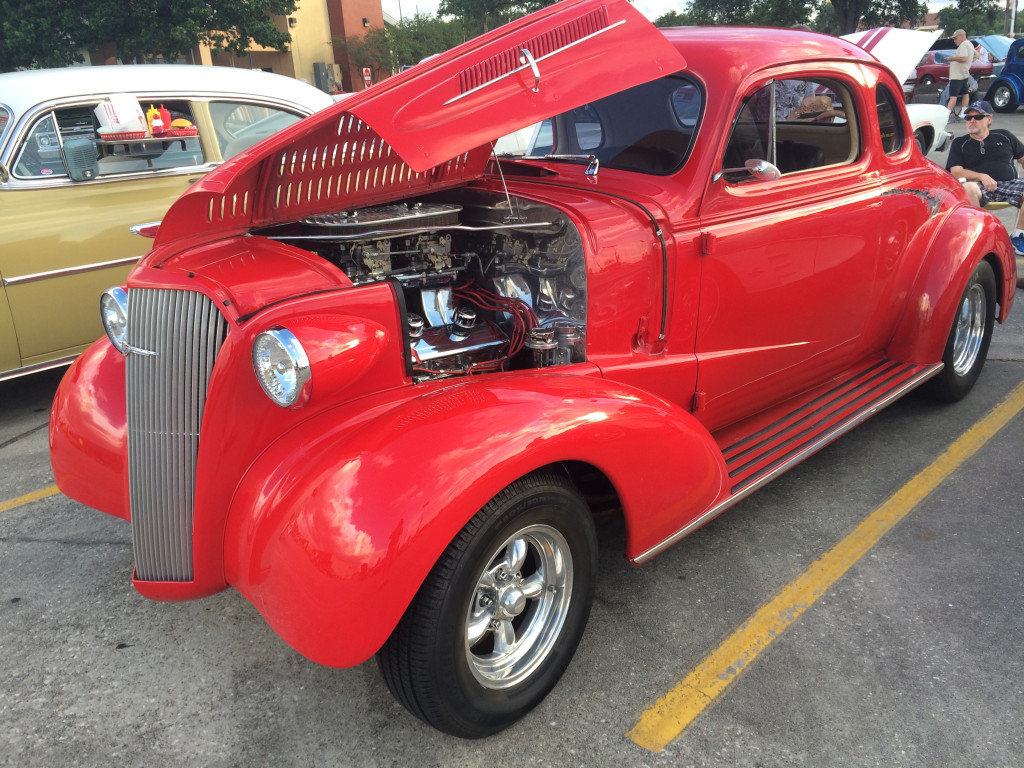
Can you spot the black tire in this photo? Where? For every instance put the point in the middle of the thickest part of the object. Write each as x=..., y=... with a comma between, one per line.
x=1004, y=98
x=522, y=573
x=927, y=80
x=922, y=141
x=967, y=346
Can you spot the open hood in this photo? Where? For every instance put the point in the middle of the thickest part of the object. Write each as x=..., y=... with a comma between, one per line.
x=429, y=128
x=899, y=49
x=566, y=55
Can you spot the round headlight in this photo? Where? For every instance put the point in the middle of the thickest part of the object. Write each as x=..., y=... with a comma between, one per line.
x=114, y=312
x=282, y=367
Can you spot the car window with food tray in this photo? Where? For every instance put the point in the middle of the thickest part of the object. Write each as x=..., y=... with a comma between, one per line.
x=796, y=125
x=41, y=155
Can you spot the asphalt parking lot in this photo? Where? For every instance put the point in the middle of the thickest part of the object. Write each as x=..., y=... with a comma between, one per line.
x=906, y=653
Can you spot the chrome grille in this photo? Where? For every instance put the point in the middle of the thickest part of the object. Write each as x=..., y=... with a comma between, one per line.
x=166, y=395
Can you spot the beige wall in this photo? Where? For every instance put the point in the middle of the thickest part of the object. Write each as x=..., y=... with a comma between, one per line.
x=311, y=42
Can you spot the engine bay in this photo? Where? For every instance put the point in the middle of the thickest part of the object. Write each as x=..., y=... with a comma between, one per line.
x=489, y=282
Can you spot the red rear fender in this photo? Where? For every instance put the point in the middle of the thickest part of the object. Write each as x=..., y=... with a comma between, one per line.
x=964, y=239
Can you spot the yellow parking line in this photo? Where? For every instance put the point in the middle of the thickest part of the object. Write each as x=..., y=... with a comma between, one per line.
x=28, y=498
x=669, y=716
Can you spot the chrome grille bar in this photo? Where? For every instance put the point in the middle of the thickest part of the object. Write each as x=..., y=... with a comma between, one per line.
x=166, y=396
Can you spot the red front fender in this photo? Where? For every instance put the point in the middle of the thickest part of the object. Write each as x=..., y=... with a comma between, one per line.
x=88, y=431
x=335, y=527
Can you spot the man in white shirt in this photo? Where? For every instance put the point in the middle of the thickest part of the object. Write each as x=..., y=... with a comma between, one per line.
x=959, y=70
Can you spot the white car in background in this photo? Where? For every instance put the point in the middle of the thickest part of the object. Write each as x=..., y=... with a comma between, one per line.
x=900, y=50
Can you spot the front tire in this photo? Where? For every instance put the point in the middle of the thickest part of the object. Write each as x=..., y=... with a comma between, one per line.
x=1004, y=98
x=927, y=80
x=498, y=619
x=969, y=338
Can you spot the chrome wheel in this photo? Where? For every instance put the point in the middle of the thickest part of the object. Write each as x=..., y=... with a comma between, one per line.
x=969, y=330
x=1004, y=99
x=498, y=618
x=520, y=603
x=968, y=338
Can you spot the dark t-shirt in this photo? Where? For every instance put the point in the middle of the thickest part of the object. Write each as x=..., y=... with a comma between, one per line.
x=1000, y=147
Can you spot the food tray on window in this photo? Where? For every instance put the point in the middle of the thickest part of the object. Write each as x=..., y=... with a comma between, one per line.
x=177, y=132
x=123, y=136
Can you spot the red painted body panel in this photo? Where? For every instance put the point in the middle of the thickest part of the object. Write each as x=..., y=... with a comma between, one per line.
x=88, y=431
x=336, y=524
x=713, y=311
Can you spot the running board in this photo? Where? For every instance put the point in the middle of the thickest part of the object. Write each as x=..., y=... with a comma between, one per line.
x=759, y=458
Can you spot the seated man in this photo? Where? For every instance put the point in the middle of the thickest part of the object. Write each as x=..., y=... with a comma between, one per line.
x=983, y=161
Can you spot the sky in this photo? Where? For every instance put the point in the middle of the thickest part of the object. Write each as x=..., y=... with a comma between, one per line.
x=652, y=9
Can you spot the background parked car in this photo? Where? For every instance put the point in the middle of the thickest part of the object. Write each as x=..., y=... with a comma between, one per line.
x=934, y=67
x=898, y=49
x=1007, y=91
x=64, y=235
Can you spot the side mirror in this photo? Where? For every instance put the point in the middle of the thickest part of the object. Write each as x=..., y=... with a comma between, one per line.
x=761, y=170
x=80, y=158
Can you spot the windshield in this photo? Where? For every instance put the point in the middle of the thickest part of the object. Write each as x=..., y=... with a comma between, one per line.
x=648, y=128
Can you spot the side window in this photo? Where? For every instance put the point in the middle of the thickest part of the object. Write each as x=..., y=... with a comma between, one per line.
x=889, y=122
x=795, y=124
x=41, y=154
x=586, y=127
x=240, y=125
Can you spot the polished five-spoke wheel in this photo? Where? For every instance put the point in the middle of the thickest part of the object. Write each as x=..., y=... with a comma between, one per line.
x=520, y=603
x=498, y=619
x=967, y=344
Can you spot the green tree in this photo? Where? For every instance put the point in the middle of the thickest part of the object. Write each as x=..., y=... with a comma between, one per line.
x=408, y=42
x=976, y=17
x=479, y=16
x=674, y=19
x=48, y=33
x=841, y=17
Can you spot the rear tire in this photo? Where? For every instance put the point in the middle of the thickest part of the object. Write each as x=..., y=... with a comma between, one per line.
x=1004, y=98
x=498, y=619
x=969, y=338
x=922, y=141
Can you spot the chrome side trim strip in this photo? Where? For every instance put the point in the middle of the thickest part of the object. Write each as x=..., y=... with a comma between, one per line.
x=811, y=448
x=37, y=368
x=70, y=271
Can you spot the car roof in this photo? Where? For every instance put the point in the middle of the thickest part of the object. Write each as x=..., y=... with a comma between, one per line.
x=749, y=49
x=20, y=91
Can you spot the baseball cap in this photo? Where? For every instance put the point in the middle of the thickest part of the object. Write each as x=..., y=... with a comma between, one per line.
x=980, y=106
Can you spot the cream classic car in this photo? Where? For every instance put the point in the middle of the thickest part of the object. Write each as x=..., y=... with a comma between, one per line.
x=69, y=192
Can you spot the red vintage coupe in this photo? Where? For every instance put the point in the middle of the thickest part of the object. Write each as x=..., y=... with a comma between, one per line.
x=372, y=375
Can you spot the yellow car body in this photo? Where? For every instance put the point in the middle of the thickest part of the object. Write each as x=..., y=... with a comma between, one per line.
x=64, y=241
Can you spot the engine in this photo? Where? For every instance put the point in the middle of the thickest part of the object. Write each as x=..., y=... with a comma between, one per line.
x=489, y=283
